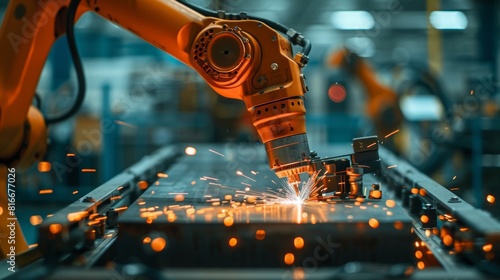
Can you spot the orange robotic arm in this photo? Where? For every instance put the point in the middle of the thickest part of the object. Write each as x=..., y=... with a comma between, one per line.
x=242, y=59
x=382, y=102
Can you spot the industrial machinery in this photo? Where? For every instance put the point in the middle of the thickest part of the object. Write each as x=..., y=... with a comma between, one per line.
x=239, y=56
x=218, y=214
x=205, y=213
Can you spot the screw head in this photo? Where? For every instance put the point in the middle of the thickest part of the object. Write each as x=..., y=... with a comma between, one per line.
x=274, y=66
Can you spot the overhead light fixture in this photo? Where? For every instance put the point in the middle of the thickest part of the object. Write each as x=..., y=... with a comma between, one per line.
x=352, y=20
x=448, y=20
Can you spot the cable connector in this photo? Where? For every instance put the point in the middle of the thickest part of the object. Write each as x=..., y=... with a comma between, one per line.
x=243, y=15
x=301, y=59
x=295, y=37
x=221, y=14
x=231, y=16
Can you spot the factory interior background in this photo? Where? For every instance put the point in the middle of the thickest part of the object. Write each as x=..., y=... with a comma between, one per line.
x=439, y=57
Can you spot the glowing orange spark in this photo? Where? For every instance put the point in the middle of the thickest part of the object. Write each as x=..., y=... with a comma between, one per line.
x=228, y=221
x=162, y=175
x=447, y=240
x=88, y=170
x=260, y=234
x=487, y=248
x=233, y=241
x=190, y=151
x=77, y=216
x=398, y=225
x=424, y=219
x=215, y=152
x=142, y=185
x=70, y=155
x=241, y=174
x=289, y=258
x=490, y=198
x=418, y=254
x=55, y=228
x=49, y=191
x=374, y=223
x=392, y=133
x=36, y=220
x=158, y=244
x=44, y=166
x=125, y=124
x=298, y=242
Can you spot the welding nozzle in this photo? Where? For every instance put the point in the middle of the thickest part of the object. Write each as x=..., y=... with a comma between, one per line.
x=289, y=157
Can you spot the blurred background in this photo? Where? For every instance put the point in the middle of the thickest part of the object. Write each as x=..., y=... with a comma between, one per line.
x=440, y=58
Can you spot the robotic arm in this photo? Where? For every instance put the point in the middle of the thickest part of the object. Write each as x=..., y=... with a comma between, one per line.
x=239, y=57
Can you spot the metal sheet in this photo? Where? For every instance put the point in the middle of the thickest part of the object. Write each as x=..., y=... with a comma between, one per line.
x=206, y=216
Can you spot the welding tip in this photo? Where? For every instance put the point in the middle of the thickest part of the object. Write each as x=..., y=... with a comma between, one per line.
x=296, y=188
x=294, y=181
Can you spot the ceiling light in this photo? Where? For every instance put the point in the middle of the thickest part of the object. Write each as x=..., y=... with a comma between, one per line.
x=352, y=20
x=448, y=20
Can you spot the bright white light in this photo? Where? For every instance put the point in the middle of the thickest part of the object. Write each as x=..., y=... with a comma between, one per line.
x=352, y=20
x=448, y=20
x=421, y=108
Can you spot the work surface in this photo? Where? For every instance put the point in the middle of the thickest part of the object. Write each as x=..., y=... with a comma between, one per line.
x=224, y=207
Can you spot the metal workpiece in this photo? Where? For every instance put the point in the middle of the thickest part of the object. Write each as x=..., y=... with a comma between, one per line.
x=468, y=232
x=222, y=208
x=365, y=144
x=288, y=156
x=366, y=153
x=66, y=229
x=355, y=174
x=375, y=192
x=343, y=178
x=207, y=219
